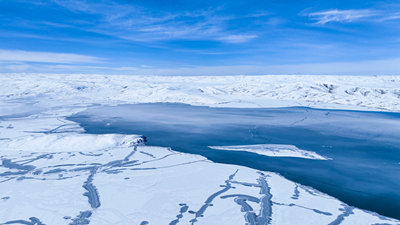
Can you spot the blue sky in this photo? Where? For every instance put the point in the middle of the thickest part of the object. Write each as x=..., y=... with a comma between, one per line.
x=200, y=37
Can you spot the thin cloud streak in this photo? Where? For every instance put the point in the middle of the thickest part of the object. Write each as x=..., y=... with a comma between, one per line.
x=46, y=57
x=390, y=17
x=237, y=38
x=352, y=16
x=343, y=16
x=63, y=68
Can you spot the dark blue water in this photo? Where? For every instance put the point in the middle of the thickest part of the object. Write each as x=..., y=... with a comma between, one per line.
x=364, y=146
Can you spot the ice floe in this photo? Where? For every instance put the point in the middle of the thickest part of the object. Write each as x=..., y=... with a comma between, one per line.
x=273, y=150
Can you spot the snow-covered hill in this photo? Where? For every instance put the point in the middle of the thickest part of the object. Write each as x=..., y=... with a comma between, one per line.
x=354, y=92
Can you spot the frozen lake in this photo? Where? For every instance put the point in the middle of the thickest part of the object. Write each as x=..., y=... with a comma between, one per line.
x=362, y=148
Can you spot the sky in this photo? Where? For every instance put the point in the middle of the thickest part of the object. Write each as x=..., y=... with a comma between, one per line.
x=203, y=37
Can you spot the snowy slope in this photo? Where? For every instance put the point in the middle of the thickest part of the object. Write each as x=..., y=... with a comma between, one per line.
x=354, y=92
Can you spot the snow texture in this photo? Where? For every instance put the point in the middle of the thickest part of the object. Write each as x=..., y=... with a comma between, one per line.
x=53, y=173
x=66, y=141
x=341, y=92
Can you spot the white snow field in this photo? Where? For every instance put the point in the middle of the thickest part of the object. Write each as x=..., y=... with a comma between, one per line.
x=341, y=92
x=52, y=173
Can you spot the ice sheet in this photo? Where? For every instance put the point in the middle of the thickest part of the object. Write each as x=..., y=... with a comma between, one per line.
x=52, y=173
x=335, y=92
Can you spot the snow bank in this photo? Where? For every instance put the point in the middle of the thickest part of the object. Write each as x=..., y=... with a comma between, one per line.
x=273, y=150
x=69, y=142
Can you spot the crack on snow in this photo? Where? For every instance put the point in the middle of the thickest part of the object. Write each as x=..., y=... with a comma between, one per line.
x=130, y=154
x=296, y=193
x=264, y=217
x=184, y=209
x=209, y=200
x=175, y=165
x=314, y=210
x=44, y=156
x=82, y=218
x=10, y=173
x=146, y=153
x=33, y=221
x=90, y=154
x=11, y=165
x=92, y=193
x=347, y=211
x=58, y=170
x=250, y=216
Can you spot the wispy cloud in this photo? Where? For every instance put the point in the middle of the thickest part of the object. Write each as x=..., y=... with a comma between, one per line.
x=136, y=23
x=352, y=15
x=394, y=16
x=46, y=57
x=237, y=38
x=344, y=16
x=61, y=68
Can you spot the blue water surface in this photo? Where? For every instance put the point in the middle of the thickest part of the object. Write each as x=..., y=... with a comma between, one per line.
x=364, y=146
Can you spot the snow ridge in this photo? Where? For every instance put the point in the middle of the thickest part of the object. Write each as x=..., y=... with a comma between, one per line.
x=369, y=92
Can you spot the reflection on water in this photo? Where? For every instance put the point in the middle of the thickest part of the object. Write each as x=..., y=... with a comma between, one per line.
x=364, y=170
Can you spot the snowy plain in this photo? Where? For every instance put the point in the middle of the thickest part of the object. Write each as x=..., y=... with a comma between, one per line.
x=53, y=173
x=339, y=92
